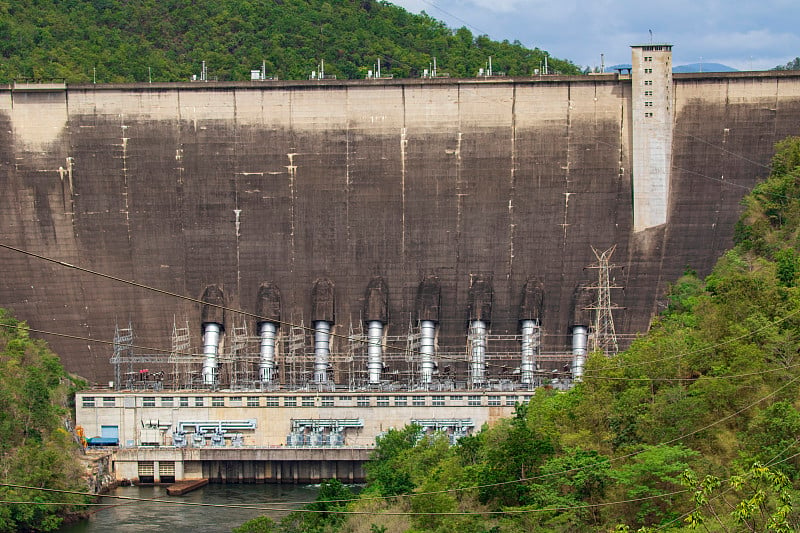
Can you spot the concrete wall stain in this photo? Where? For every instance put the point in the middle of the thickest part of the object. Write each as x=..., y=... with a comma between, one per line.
x=180, y=186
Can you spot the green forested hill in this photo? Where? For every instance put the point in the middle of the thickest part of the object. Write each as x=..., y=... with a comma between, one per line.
x=122, y=39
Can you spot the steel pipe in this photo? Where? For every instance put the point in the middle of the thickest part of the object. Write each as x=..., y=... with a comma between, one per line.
x=427, y=330
x=580, y=336
x=478, y=342
x=266, y=365
x=211, y=334
x=375, y=351
x=322, y=350
x=529, y=343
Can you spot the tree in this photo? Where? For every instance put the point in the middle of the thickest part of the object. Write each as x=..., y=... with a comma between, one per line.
x=324, y=514
x=260, y=524
x=794, y=64
x=760, y=499
x=35, y=450
x=52, y=38
x=386, y=470
x=651, y=481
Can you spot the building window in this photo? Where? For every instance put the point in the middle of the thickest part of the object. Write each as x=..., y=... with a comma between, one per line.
x=149, y=401
x=184, y=401
x=289, y=401
x=383, y=401
x=109, y=401
x=308, y=401
x=648, y=115
x=88, y=401
x=648, y=93
x=648, y=104
x=272, y=401
x=648, y=71
x=199, y=401
x=493, y=400
x=511, y=401
x=456, y=398
x=363, y=401
x=327, y=401
x=235, y=401
x=345, y=398
x=418, y=401
x=218, y=401
x=400, y=401
x=648, y=58
x=167, y=401
x=648, y=82
x=253, y=401
x=437, y=401
x=473, y=400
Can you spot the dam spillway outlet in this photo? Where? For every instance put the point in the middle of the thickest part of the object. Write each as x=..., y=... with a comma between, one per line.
x=375, y=351
x=211, y=335
x=579, y=340
x=322, y=350
x=478, y=355
x=427, y=329
x=266, y=366
x=530, y=342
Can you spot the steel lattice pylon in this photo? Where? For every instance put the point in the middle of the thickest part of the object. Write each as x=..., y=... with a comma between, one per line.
x=605, y=336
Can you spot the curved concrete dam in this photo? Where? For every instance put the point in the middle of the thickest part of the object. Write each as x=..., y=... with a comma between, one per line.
x=477, y=186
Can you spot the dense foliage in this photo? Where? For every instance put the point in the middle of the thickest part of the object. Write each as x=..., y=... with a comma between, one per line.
x=167, y=40
x=35, y=450
x=695, y=426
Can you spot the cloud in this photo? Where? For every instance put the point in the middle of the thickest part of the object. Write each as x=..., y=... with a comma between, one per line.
x=739, y=34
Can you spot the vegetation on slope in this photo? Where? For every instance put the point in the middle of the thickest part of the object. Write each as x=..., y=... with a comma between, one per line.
x=794, y=64
x=696, y=425
x=125, y=41
x=35, y=450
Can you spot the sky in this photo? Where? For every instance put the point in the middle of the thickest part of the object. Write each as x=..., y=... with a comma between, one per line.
x=742, y=34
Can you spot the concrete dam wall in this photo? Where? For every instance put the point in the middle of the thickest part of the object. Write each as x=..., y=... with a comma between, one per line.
x=181, y=186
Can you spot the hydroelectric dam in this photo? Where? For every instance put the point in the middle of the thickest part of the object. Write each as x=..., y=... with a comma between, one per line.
x=452, y=212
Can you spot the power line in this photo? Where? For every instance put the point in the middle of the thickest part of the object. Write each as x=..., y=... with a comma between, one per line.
x=440, y=356
x=729, y=152
x=224, y=358
x=524, y=479
x=455, y=17
x=489, y=485
x=713, y=346
x=343, y=512
x=771, y=462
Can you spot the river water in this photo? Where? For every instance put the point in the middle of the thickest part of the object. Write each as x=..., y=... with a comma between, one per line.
x=275, y=501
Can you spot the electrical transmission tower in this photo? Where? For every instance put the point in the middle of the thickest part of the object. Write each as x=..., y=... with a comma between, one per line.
x=605, y=336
